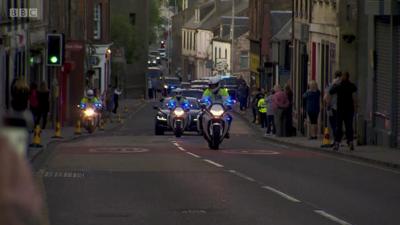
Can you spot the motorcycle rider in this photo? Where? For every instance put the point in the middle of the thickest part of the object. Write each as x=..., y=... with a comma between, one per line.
x=178, y=100
x=91, y=99
x=216, y=94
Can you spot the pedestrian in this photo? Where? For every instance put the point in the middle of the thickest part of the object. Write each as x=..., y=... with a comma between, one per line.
x=256, y=96
x=346, y=108
x=312, y=98
x=19, y=103
x=270, y=114
x=331, y=103
x=290, y=131
x=34, y=102
x=44, y=103
x=117, y=93
x=243, y=94
x=280, y=103
x=262, y=109
x=150, y=88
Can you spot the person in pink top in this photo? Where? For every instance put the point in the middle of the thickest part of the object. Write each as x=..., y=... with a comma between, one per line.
x=280, y=103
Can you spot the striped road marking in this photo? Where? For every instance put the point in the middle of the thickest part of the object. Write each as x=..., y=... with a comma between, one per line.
x=331, y=217
x=286, y=196
x=213, y=163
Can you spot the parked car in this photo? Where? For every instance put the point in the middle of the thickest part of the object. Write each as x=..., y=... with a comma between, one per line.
x=162, y=52
x=161, y=119
x=155, y=55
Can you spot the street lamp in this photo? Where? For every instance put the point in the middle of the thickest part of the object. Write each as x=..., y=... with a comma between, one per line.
x=232, y=33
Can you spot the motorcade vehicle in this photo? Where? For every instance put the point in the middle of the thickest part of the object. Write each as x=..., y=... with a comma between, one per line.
x=215, y=122
x=232, y=84
x=169, y=84
x=192, y=93
x=199, y=84
x=163, y=118
x=90, y=116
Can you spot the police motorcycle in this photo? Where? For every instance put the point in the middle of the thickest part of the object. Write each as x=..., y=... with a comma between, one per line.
x=178, y=118
x=90, y=114
x=216, y=121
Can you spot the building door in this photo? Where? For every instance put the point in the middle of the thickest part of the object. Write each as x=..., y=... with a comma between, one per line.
x=383, y=78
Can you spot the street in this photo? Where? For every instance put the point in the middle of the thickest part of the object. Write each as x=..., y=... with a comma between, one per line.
x=129, y=176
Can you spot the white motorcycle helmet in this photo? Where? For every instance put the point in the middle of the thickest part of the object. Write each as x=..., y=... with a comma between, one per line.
x=90, y=93
x=178, y=93
x=214, y=84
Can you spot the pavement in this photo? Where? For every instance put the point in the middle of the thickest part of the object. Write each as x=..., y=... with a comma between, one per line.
x=130, y=176
x=370, y=153
x=68, y=133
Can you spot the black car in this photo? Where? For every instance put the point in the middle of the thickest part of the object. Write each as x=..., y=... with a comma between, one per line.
x=192, y=93
x=161, y=119
x=232, y=84
x=170, y=83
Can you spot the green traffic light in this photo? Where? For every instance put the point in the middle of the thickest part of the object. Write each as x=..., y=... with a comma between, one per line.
x=53, y=59
x=31, y=60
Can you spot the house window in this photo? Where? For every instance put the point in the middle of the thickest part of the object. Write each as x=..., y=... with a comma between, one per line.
x=219, y=52
x=97, y=22
x=190, y=40
x=215, y=54
x=132, y=18
x=194, y=41
x=226, y=53
x=184, y=40
x=244, y=60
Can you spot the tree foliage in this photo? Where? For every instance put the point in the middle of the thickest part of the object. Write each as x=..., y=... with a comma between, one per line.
x=123, y=35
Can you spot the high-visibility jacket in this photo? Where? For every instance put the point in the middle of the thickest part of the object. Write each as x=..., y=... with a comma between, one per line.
x=262, y=105
x=221, y=97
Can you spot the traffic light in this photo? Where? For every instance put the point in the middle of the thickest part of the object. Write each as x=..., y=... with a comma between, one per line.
x=55, y=49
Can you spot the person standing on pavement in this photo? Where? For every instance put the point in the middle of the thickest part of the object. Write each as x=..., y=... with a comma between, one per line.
x=243, y=94
x=116, y=95
x=289, y=111
x=270, y=114
x=346, y=108
x=34, y=102
x=280, y=103
x=44, y=104
x=313, y=98
x=255, y=97
x=262, y=109
x=331, y=103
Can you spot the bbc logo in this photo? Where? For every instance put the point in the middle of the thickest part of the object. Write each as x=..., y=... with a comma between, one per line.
x=23, y=12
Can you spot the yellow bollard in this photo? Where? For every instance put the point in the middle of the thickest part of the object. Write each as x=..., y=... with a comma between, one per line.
x=57, y=131
x=36, y=142
x=326, y=142
x=78, y=129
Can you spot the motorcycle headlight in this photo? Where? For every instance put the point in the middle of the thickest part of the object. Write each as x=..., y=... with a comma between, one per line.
x=179, y=111
x=89, y=112
x=158, y=58
x=154, y=61
x=217, y=110
x=166, y=86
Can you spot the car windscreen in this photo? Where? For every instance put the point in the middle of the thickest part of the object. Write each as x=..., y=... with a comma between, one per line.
x=229, y=81
x=172, y=81
x=192, y=94
x=151, y=73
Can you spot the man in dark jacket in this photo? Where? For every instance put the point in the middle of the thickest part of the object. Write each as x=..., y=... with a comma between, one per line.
x=346, y=107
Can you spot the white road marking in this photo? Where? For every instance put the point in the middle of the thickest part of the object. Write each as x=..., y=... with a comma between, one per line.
x=286, y=196
x=331, y=217
x=194, y=155
x=242, y=175
x=213, y=163
x=176, y=144
x=182, y=149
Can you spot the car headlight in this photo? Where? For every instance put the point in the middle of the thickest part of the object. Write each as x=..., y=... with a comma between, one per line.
x=165, y=86
x=217, y=110
x=158, y=58
x=162, y=118
x=89, y=112
x=179, y=111
x=154, y=61
x=148, y=62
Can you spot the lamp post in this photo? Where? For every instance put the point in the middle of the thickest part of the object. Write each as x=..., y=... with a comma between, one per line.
x=232, y=36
